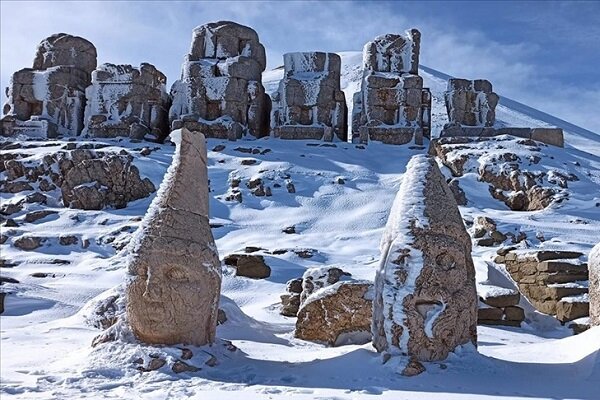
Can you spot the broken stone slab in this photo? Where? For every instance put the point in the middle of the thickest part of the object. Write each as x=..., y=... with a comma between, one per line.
x=174, y=269
x=337, y=315
x=425, y=298
x=500, y=297
x=571, y=308
x=551, y=136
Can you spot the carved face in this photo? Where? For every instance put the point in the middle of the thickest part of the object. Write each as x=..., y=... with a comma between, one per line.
x=174, y=302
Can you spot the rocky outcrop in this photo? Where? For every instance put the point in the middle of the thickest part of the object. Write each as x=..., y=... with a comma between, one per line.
x=554, y=282
x=338, y=314
x=309, y=103
x=392, y=105
x=425, y=299
x=49, y=99
x=88, y=179
x=175, y=273
x=510, y=166
x=594, y=287
x=220, y=91
x=127, y=101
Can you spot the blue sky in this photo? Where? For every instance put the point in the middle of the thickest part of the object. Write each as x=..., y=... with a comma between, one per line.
x=544, y=54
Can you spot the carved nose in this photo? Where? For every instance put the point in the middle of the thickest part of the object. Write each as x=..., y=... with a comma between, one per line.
x=153, y=290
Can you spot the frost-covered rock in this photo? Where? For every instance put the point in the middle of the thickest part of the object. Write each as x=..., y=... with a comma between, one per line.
x=337, y=315
x=220, y=92
x=175, y=273
x=470, y=103
x=127, y=101
x=425, y=299
x=594, y=286
x=86, y=179
x=392, y=105
x=309, y=103
x=520, y=172
x=49, y=99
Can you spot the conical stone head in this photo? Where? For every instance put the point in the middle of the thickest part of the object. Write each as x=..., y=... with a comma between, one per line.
x=425, y=298
x=174, y=269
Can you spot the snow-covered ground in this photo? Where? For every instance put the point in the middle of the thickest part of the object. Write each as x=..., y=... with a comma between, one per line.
x=45, y=339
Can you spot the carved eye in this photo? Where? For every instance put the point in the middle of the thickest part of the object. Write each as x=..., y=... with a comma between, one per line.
x=176, y=274
x=445, y=261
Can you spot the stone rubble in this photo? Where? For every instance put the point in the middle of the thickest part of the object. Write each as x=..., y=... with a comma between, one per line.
x=554, y=282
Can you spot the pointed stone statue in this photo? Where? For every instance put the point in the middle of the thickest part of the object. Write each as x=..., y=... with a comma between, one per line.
x=174, y=268
x=425, y=298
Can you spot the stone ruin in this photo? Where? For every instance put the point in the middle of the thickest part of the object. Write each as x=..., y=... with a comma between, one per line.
x=594, y=286
x=425, y=301
x=471, y=103
x=471, y=107
x=220, y=92
x=392, y=105
x=48, y=99
x=127, y=101
x=175, y=272
x=309, y=103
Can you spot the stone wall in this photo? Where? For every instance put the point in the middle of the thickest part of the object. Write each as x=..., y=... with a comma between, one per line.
x=309, y=103
x=392, y=105
x=127, y=101
x=552, y=281
x=220, y=92
x=49, y=99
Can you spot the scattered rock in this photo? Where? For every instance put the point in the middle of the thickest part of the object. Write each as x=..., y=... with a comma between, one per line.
x=289, y=230
x=37, y=215
x=28, y=243
x=249, y=266
x=179, y=367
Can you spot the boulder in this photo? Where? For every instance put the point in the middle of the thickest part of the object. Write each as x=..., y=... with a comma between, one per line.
x=425, y=298
x=175, y=273
x=318, y=278
x=594, y=288
x=338, y=314
x=251, y=266
x=92, y=182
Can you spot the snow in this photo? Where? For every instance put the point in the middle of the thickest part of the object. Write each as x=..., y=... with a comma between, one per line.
x=45, y=337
